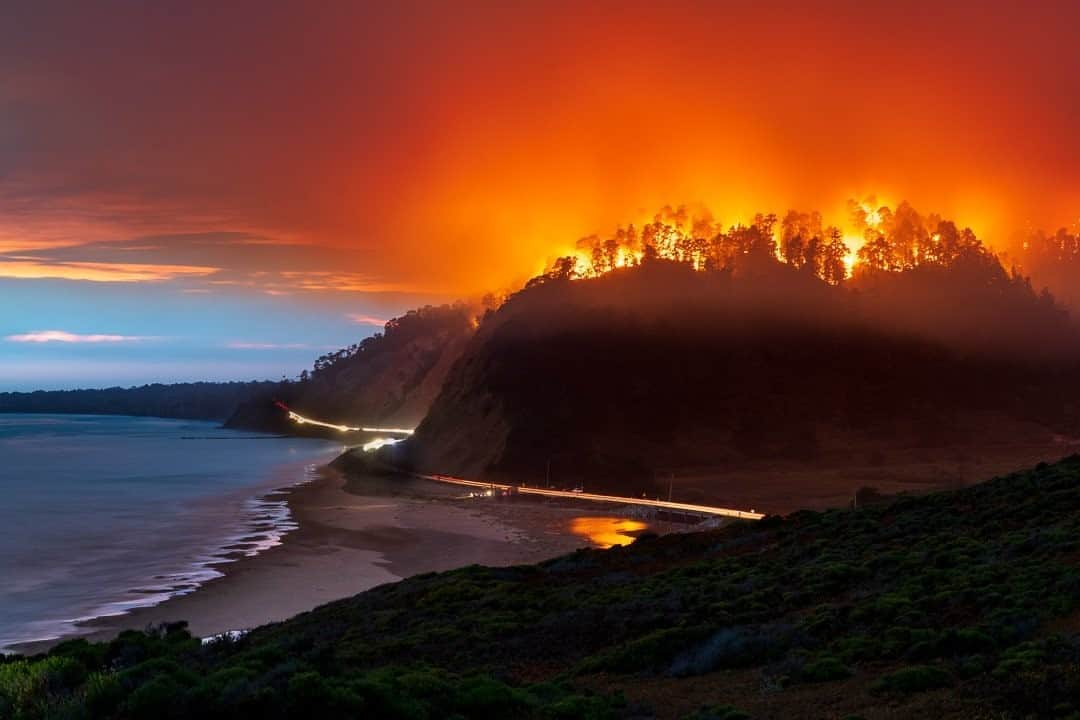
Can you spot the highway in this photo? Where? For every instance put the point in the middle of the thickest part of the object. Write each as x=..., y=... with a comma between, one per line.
x=545, y=492
x=301, y=420
x=594, y=497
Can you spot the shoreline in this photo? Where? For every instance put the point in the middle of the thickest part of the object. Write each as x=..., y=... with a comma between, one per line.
x=353, y=533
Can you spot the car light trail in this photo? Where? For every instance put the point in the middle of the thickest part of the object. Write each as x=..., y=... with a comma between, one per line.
x=379, y=442
x=595, y=497
x=302, y=420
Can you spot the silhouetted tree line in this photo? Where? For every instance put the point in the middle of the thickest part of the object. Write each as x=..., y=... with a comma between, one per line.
x=702, y=243
x=187, y=401
x=1053, y=259
x=894, y=240
x=397, y=332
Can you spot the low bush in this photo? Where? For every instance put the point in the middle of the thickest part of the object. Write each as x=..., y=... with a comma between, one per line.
x=912, y=679
x=825, y=669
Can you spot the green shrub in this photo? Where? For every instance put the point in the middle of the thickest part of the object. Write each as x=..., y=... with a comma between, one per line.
x=102, y=694
x=825, y=669
x=855, y=648
x=718, y=712
x=973, y=665
x=916, y=678
x=484, y=697
x=311, y=695
x=969, y=640
x=650, y=651
x=90, y=655
x=29, y=686
x=154, y=700
x=1022, y=658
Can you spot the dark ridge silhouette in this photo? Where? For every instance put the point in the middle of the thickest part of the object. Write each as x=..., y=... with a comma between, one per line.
x=186, y=401
x=389, y=378
x=612, y=379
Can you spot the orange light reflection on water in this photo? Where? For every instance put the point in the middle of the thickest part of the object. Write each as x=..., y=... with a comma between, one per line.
x=606, y=532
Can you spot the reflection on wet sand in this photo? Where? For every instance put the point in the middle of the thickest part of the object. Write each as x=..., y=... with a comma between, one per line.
x=605, y=532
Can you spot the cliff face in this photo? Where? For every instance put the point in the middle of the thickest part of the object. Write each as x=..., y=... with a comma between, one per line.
x=390, y=379
x=616, y=380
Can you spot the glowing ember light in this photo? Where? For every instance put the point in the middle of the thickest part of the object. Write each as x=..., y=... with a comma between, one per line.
x=873, y=216
x=626, y=258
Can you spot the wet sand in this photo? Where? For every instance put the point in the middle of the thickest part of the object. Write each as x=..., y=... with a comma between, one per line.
x=352, y=540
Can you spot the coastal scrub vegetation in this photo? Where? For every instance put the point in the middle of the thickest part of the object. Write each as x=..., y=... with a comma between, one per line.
x=952, y=604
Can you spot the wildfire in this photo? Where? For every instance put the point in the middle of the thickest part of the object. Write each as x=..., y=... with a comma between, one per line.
x=850, y=260
x=872, y=215
x=626, y=258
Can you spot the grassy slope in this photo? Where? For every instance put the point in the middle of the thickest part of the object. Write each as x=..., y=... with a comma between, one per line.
x=959, y=604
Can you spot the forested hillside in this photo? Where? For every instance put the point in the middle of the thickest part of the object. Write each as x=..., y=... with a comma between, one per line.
x=389, y=378
x=721, y=352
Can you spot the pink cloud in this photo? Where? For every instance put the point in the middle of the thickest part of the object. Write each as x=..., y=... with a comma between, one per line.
x=45, y=336
x=366, y=319
x=36, y=268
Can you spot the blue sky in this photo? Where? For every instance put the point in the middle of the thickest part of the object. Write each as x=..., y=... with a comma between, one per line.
x=124, y=333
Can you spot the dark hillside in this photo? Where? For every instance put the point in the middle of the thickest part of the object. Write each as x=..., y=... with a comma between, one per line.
x=614, y=378
x=390, y=378
x=963, y=604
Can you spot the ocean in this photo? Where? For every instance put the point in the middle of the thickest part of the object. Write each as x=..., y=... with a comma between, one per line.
x=101, y=514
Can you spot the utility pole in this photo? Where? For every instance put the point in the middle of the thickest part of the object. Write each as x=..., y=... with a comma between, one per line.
x=671, y=485
x=547, y=475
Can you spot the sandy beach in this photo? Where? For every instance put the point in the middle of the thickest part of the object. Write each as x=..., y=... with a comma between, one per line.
x=379, y=530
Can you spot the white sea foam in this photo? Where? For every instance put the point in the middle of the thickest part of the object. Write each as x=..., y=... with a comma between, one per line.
x=103, y=515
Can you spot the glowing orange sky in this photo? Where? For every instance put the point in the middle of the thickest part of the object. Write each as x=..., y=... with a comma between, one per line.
x=451, y=146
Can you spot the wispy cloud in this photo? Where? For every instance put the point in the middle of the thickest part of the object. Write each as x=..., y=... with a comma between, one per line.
x=62, y=336
x=34, y=268
x=366, y=319
x=243, y=262
x=314, y=281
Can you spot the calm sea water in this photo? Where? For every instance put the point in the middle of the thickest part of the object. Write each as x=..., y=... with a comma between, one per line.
x=102, y=514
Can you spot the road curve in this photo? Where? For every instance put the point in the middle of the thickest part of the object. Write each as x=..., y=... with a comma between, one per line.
x=594, y=497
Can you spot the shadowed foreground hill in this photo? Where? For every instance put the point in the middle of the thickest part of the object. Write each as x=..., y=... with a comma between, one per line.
x=963, y=604
x=616, y=378
x=390, y=378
